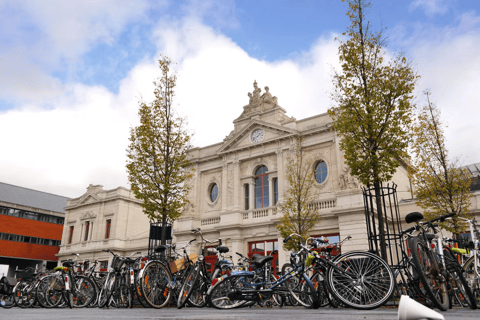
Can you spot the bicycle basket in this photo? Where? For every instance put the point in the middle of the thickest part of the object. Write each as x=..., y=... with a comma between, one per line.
x=117, y=263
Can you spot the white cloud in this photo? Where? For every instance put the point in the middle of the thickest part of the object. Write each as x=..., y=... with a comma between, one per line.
x=81, y=138
x=431, y=7
x=40, y=37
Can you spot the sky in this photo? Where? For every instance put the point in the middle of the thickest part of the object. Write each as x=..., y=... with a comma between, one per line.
x=72, y=73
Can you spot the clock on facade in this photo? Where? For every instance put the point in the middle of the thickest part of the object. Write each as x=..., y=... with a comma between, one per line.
x=257, y=135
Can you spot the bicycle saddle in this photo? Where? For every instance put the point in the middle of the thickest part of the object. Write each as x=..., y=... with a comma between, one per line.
x=222, y=249
x=413, y=217
x=68, y=263
x=259, y=261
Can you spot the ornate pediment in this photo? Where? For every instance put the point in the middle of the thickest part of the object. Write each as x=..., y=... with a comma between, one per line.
x=255, y=133
x=88, y=215
x=88, y=199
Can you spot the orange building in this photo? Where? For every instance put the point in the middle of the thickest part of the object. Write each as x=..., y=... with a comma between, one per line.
x=31, y=225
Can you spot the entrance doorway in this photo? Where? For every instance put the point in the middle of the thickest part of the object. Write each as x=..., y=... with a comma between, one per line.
x=265, y=248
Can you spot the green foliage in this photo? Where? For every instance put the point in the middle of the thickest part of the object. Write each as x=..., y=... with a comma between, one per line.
x=440, y=186
x=373, y=96
x=157, y=162
x=299, y=216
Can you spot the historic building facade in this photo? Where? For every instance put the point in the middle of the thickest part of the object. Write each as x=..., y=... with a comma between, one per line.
x=239, y=181
x=104, y=219
x=236, y=187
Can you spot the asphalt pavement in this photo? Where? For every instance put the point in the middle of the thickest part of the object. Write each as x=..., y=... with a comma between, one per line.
x=256, y=313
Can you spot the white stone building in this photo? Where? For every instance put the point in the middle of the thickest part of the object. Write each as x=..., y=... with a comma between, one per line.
x=239, y=180
x=104, y=219
x=236, y=186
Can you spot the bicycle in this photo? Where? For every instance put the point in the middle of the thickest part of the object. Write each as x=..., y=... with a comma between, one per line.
x=119, y=286
x=195, y=289
x=24, y=291
x=158, y=283
x=471, y=267
x=360, y=280
x=438, y=273
x=232, y=291
x=7, y=298
x=64, y=284
x=318, y=278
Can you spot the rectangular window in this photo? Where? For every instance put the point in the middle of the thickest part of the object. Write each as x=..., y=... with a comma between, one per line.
x=70, y=235
x=87, y=229
x=107, y=228
x=247, y=199
x=103, y=266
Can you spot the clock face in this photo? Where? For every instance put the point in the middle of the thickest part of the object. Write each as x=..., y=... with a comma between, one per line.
x=257, y=135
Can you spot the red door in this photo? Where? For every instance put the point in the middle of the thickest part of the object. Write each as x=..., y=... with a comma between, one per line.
x=265, y=247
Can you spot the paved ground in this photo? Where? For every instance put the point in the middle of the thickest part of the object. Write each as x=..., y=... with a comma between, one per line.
x=209, y=313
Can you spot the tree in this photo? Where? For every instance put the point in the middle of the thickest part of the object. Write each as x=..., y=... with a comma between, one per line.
x=299, y=216
x=374, y=108
x=157, y=162
x=440, y=186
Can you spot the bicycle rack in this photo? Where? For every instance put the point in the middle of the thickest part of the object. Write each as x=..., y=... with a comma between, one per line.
x=391, y=217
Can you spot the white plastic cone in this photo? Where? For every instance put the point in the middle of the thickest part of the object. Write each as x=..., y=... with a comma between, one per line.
x=410, y=309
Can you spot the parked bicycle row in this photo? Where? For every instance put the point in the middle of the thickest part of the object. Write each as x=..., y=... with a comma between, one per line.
x=429, y=272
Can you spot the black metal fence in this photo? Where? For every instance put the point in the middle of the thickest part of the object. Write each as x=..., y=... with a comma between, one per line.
x=155, y=239
x=391, y=217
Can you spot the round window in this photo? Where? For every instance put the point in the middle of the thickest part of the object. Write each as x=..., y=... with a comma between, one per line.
x=214, y=192
x=321, y=172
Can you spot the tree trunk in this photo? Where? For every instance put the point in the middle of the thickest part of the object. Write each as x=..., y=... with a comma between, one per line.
x=381, y=222
x=164, y=229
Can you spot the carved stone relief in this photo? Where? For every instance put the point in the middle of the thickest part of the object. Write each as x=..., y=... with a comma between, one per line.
x=88, y=215
x=348, y=181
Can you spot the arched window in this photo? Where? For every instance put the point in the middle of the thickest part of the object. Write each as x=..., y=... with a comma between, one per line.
x=321, y=172
x=213, y=192
x=261, y=187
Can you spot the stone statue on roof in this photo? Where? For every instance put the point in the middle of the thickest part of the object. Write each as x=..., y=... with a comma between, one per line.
x=259, y=103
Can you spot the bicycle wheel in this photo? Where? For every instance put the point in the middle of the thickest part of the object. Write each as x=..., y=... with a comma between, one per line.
x=219, y=295
x=138, y=292
x=24, y=294
x=429, y=272
x=472, y=276
x=84, y=292
x=360, y=280
x=155, y=279
x=189, y=283
x=292, y=282
x=49, y=291
x=462, y=290
x=305, y=293
x=198, y=297
x=7, y=301
x=106, y=291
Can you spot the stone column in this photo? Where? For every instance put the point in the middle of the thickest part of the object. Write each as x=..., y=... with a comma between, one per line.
x=280, y=170
x=236, y=184
x=237, y=246
x=270, y=191
x=91, y=231
x=251, y=196
x=224, y=186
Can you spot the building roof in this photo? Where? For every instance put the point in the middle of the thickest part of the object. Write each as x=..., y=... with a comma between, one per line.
x=474, y=169
x=32, y=198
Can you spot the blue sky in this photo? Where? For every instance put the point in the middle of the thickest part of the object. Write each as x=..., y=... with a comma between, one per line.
x=72, y=72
